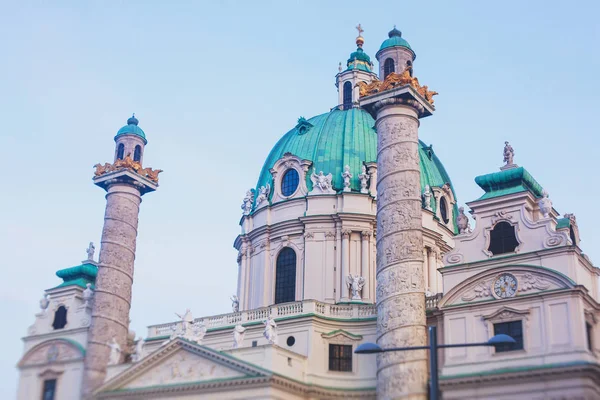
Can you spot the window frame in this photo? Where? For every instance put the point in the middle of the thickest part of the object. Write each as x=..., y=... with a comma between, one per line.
x=120, y=151
x=386, y=65
x=285, y=297
x=137, y=153
x=44, y=382
x=503, y=239
x=282, y=180
x=346, y=357
x=65, y=317
x=509, y=348
x=347, y=95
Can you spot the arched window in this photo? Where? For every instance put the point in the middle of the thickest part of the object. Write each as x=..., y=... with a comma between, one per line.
x=503, y=239
x=60, y=318
x=388, y=67
x=289, y=182
x=347, y=95
x=120, y=151
x=444, y=210
x=137, y=153
x=285, y=276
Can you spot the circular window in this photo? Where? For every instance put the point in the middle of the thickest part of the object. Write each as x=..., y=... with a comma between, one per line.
x=289, y=182
x=290, y=341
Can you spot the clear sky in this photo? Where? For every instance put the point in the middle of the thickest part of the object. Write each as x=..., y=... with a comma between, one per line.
x=216, y=84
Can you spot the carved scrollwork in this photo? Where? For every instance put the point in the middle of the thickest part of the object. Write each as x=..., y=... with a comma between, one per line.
x=530, y=282
x=481, y=290
x=454, y=258
x=554, y=240
x=501, y=215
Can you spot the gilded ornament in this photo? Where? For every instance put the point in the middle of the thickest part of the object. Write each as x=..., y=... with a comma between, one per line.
x=394, y=80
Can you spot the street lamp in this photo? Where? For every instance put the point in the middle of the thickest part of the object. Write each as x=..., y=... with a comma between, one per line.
x=369, y=348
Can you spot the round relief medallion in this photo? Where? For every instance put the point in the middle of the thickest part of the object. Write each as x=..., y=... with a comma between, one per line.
x=505, y=286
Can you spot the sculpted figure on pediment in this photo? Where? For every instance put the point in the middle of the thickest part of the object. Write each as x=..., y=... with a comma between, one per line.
x=263, y=194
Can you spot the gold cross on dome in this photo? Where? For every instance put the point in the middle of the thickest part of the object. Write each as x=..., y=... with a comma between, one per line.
x=359, y=29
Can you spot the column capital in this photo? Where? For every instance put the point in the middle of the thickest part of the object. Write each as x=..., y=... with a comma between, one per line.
x=366, y=234
x=346, y=233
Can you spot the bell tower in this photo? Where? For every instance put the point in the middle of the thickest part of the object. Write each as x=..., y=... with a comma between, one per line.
x=125, y=182
x=359, y=68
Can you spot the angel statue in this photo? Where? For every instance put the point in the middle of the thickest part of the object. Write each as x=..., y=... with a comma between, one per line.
x=238, y=336
x=198, y=332
x=355, y=283
x=115, y=352
x=139, y=350
x=509, y=154
x=270, y=332
x=187, y=320
x=347, y=176
x=235, y=303
x=321, y=183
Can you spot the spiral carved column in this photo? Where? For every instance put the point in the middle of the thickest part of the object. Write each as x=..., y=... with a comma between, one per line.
x=400, y=282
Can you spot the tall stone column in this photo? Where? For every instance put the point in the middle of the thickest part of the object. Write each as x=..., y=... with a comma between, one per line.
x=400, y=276
x=112, y=298
x=345, y=263
x=433, y=284
x=365, y=270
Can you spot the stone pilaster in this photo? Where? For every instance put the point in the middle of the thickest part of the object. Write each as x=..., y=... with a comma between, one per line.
x=112, y=298
x=345, y=263
x=400, y=281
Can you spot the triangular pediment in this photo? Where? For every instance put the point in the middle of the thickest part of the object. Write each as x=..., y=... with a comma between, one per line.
x=181, y=362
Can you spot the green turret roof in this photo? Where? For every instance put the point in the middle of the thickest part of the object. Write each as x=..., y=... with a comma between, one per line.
x=507, y=182
x=131, y=128
x=395, y=39
x=79, y=275
x=344, y=137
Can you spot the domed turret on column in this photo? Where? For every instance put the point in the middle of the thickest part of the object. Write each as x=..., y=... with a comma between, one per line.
x=394, y=55
x=130, y=140
x=359, y=69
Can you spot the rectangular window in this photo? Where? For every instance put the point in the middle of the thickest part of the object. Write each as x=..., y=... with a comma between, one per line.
x=340, y=357
x=588, y=329
x=49, y=389
x=513, y=329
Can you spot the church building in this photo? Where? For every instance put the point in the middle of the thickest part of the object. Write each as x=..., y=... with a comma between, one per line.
x=352, y=233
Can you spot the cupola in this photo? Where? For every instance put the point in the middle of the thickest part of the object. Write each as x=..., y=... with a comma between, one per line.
x=359, y=68
x=394, y=55
x=130, y=141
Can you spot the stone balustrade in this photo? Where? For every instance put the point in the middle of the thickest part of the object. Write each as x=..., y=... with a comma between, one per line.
x=297, y=308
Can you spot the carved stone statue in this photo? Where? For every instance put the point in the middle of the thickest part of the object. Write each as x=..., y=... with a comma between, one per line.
x=90, y=251
x=88, y=294
x=355, y=283
x=347, y=176
x=363, y=178
x=235, y=303
x=139, y=350
x=509, y=154
x=44, y=302
x=115, y=352
x=462, y=221
x=198, y=331
x=238, y=336
x=545, y=204
x=270, y=332
x=247, y=203
x=187, y=320
x=263, y=194
x=427, y=198
x=321, y=183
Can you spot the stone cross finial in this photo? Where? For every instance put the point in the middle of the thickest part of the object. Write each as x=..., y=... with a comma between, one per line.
x=359, y=29
x=90, y=251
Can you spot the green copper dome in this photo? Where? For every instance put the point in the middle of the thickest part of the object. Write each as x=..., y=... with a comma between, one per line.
x=394, y=39
x=132, y=128
x=344, y=137
x=79, y=275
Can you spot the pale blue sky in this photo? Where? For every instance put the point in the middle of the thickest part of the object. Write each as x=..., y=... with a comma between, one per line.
x=215, y=84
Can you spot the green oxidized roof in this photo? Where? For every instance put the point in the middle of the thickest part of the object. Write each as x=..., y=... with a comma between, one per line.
x=345, y=137
x=79, y=275
x=359, y=55
x=507, y=182
x=395, y=39
x=132, y=128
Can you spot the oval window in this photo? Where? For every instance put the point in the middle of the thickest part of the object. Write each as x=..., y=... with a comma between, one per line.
x=444, y=210
x=289, y=182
